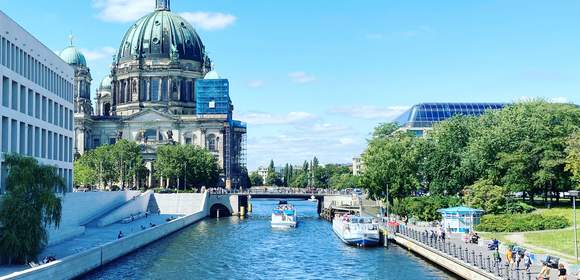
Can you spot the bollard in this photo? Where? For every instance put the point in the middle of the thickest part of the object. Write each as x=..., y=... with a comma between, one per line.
x=242, y=211
x=466, y=255
x=218, y=213
x=480, y=260
x=489, y=264
x=473, y=260
x=250, y=207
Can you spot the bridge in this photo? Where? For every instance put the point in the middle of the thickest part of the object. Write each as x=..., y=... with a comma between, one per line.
x=236, y=200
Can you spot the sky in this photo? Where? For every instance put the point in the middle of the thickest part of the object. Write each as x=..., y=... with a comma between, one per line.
x=313, y=78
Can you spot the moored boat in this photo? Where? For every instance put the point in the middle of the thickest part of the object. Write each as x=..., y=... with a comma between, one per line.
x=356, y=230
x=284, y=216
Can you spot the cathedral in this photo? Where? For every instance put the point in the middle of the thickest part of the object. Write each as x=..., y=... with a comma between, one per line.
x=162, y=90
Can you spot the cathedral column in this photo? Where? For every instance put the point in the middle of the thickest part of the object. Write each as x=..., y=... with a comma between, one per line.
x=169, y=90
x=178, y=84
x=202, y=141
x=148, y=92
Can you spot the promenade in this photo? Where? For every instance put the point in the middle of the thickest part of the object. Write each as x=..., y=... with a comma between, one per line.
x=478, y=256
x=92, y=238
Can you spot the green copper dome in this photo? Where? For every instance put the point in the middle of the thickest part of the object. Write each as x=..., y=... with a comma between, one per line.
x=106, y=83
x=161, y=34
x=73, y=56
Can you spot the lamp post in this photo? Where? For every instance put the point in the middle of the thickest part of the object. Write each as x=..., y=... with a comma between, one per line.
x=574, y=195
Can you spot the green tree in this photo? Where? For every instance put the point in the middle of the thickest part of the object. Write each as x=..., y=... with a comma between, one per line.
x=392, y=161
x=273, y=178
x=126, y=156
x=29, y=206
x=384, y=130
x=95, y=167
x=573, y=157
x=444, y=150
x=486, y=196
x=187, y=166
x=342, y=181
x=256, y=180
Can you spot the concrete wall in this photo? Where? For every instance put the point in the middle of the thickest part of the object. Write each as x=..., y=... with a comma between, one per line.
x=461, y=269
x=138, y=205
x=339, y=200
x=228, y=200
x=179, y=204
x=81, y=263
x=80, y=208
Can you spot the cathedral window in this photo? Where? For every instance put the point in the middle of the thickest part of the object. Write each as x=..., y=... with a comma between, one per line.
x=154, y=90
x=164, y=90
x=211, y=143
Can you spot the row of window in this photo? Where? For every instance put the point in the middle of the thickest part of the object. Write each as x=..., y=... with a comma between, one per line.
x=156, y=90
x=26, y=101
x=19, y=61
x=65, y=173
x=25, y=139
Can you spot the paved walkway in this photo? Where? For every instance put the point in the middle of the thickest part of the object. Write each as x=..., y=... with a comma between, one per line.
x=93, y=237
x=478, y=255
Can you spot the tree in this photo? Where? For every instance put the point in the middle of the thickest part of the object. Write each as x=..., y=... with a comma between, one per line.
x=95, y=167
x=486, y=196
x=341, y=181
x=444, y=150
x=186, y=165
x=273, y=178
x=29, y=206
x=126, y=156
x=256, y=180
x=384, y=130
x=573, y=157
x=392, y=161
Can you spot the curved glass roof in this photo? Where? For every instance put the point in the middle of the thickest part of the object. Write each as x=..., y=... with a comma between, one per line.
x=427, y=114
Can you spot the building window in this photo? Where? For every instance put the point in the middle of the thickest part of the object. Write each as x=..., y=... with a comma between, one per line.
x=5, y=92
x=188, y=141
x=5, y=134
x=211, y=143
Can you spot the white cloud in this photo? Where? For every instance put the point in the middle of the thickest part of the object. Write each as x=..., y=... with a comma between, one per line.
x=261, y=118
x=209, y=21
x=122, y=10
x=256, y=83
x=370, y=112
x=131, y=10
x=301, y=77
x=346, y=141
x=100, y=53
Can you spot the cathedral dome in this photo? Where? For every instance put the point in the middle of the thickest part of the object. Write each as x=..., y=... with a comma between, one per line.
x=161, y=34
x=106, y=84
x=212, y=75
x=73, y=56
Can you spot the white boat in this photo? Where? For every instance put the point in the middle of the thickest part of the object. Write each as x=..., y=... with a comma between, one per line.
x=284, y=216
x=313, y=199
x=356, y=230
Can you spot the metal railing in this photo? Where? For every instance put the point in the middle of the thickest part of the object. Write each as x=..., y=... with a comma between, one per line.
x=469, y=254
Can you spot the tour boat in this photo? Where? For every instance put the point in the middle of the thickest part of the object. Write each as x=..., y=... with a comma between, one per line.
x=356, y=230
x=284, y=216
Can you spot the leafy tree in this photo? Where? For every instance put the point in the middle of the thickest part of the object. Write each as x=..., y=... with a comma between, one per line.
x=256, y=180
x=29, y=206
x=384, y=130
x=342, y=181
x=126, y=156
x=392, y=161
x=573, y=157
x=273, y=178
x=187, y=165
x=444, y=149
x=486, y=196
x=95, y=167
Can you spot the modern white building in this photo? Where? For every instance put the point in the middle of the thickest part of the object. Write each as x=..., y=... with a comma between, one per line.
x=357, y=166
x=36, y=102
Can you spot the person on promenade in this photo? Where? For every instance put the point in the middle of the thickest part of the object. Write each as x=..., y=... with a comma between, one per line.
x=544, y=273
x=509, y=255
x=562, y=272
x=120, y=235
x=527, y=261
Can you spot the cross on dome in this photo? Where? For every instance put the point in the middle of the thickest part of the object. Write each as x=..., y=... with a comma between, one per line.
x=71, y=38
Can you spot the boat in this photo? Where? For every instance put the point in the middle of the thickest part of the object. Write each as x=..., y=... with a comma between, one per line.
x=313, y=199
x=356, y=230
x=284, y=216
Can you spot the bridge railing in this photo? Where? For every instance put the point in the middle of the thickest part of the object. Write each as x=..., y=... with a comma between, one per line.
x=274, y=191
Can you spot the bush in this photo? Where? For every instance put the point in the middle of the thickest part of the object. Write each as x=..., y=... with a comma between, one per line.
x=519, y=208
x=521, y=222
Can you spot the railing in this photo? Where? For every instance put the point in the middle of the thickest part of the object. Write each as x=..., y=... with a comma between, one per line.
x=281, y=191
x=469, y=254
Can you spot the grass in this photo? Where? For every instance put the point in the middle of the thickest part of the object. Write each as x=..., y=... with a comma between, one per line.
x=561, y=241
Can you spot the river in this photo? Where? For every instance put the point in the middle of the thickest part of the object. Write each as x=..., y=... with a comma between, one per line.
x=248, y=248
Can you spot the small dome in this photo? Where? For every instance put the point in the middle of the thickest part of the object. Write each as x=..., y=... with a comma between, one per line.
x=161, y=34
x=106, y=84
x=73, y=56
x=212, y=75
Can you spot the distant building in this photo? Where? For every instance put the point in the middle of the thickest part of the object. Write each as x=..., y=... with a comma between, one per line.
x=421, y=117
x=36, y=108
x=357, y=166
x=263, y=172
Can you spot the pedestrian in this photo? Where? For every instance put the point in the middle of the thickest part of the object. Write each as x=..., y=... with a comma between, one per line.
x=562, y=272
x=509, y=256
x=120, y=235
x=544, y=273
x=527, y=261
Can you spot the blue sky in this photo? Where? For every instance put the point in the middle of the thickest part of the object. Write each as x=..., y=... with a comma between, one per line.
x=312, y=78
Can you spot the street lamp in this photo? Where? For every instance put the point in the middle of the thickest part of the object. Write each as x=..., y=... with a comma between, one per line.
x=574, y=195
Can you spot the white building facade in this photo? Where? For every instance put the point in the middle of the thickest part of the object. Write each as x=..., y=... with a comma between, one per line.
x=36, y=102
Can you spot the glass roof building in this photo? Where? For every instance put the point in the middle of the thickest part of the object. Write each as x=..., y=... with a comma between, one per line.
x=421, y=117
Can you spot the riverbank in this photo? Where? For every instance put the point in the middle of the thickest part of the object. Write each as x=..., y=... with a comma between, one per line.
x=99, y=245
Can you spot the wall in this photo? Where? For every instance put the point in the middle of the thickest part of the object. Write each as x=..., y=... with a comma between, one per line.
x=80, y=208
x=138, y=205
x=463, y=270
x=179, y=204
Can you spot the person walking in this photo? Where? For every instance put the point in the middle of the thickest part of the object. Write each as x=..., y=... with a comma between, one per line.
x=544, y=273
x=562, y=272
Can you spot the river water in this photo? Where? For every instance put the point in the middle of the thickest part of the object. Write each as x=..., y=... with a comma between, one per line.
x=236, y=248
